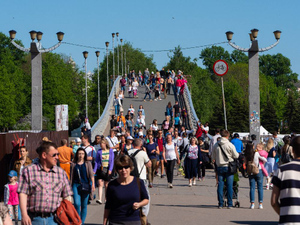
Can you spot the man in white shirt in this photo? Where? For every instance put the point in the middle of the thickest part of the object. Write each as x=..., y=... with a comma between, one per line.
x=142, y=161
x=90, y=150
x=113, y=141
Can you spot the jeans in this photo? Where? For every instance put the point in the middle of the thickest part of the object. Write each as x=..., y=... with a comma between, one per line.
x=80, y=201
x=146, y=208
x=222, y=175
x=170, y=170
x=117, y=109
x=258, y=178
x=148, y=95
x=130, y=130
x=151, y=170
x=178, y=90
x=43, y=221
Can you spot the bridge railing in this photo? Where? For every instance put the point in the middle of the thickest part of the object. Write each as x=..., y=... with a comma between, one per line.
x=102, y=124
x=191, y=113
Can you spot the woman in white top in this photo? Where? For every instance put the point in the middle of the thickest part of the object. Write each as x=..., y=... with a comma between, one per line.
x=140, y=120
x=135, y=85
x=252, y=156
x=131, y=111
x=170, y=155
x=154, y=128
x=121, y=97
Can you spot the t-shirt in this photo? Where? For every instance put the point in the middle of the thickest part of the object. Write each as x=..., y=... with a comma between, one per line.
x=170, y=151
x=13, y=195
x=129, y=123
x=176, y=120
x=90, y=151
x=105, y=157
x=123, y=82
x=65, y=154
x=135, y=85
x=160, y=143
x=287, y=179
x=176, y=107
x=154, y=127
x=112, y=141
x=270, y=155
x=192, y=152
x=131, y=110
x=150, y=148
x=166, y=125
x=120, y=199
x=238, y=144
x=141, y=159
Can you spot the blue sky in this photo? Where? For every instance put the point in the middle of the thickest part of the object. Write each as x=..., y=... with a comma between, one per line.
x=155, y=25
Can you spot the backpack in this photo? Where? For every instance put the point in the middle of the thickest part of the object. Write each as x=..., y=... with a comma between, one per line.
x=66, y=214
x=252, y=169
x=135, y=172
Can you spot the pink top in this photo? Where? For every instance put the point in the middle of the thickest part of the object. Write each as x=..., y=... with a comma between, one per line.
x=13, y=195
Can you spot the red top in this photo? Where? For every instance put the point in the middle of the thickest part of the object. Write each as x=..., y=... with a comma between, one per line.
x=160, y=144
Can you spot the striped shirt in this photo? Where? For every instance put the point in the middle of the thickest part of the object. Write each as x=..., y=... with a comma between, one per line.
x=287, y=180
x=105, y=158
x=44, y=190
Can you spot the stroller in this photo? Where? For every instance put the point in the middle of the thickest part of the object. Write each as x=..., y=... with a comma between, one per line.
x=235, y=194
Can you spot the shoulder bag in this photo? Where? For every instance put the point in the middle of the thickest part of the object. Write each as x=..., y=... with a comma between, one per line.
x=232, y=166
x=84, y=187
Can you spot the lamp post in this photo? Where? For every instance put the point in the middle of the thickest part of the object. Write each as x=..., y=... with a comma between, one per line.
x=125, y=62
x=36, y=73
x=113, y=45
x=98, y=54
x=85, y=55
x=118, y=53
x=254, y=95
x=107, y=81
x=122, y=54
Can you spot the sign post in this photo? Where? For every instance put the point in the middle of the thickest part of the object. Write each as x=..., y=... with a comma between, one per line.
x=220, y=69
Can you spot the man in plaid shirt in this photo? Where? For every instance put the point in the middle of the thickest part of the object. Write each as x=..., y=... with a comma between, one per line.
x=42, y=186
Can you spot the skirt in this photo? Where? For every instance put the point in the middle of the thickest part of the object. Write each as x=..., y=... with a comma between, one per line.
x=191, y=168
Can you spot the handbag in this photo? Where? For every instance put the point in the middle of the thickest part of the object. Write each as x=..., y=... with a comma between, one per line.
x=232, y=166
x=84, y=187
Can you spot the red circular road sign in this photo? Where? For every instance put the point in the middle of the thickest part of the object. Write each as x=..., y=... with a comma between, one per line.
x=220, y=67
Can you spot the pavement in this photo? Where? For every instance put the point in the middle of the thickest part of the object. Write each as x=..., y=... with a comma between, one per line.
x=197, y=205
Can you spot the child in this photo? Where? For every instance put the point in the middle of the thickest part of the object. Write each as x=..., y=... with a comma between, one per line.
x=129, y=90
x=264, y=154
x=177, y=121
x=11, y=197
x=131, y=111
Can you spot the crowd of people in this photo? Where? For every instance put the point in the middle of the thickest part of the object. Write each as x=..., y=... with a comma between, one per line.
x=124, y=164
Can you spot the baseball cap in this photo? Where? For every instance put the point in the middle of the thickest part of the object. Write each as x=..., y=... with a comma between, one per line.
x=118, y=134
x=129, y=138
x=141, y=134
x=78, y=140
x=12, y=173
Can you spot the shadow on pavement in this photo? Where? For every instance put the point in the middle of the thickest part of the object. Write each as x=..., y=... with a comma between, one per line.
x=188, y=206
x=255, y=222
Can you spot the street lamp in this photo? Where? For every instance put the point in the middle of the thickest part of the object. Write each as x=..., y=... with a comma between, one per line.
x=98, y=54
x=125, y=61
x=36, y=73
x=113, y=45
x=107, y=82
x=118, y=53
x=85, y=55
x=254, y=95
x=122, y=54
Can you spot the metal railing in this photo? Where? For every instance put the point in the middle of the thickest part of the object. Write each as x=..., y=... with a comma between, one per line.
x=102, y=123
x=193, y=118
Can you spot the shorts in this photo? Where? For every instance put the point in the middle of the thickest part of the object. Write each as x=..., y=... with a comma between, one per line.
x=103, y=174
x=160, y=156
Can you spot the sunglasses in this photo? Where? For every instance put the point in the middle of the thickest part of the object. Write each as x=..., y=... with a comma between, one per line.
x=55, y=154
x=122, y=167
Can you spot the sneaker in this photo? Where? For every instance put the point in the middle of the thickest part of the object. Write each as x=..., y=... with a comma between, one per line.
x=155, y=99
x=194, y=183
x=220, y=207
x=99, y=201
x=171, y=185
x=190, y=184
x=203, y=178
x=252, y=206
x=144, y=100
x=160, y=99
x=200, y=179
x=150, y=185
x=150, y=100
x=229, y=207
x=267, y=187
x=260, y=206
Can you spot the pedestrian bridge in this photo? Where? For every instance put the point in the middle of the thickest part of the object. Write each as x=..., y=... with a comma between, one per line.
x=153, y=110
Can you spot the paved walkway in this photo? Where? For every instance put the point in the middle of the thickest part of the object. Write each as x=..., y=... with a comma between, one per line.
x=153, y=110
x=196, y=205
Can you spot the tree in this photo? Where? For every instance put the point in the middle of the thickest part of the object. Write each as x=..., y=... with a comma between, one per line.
x=210, y=55
x=279, y=68
x=268, y=116
x=239, y=57
x=180, y=62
